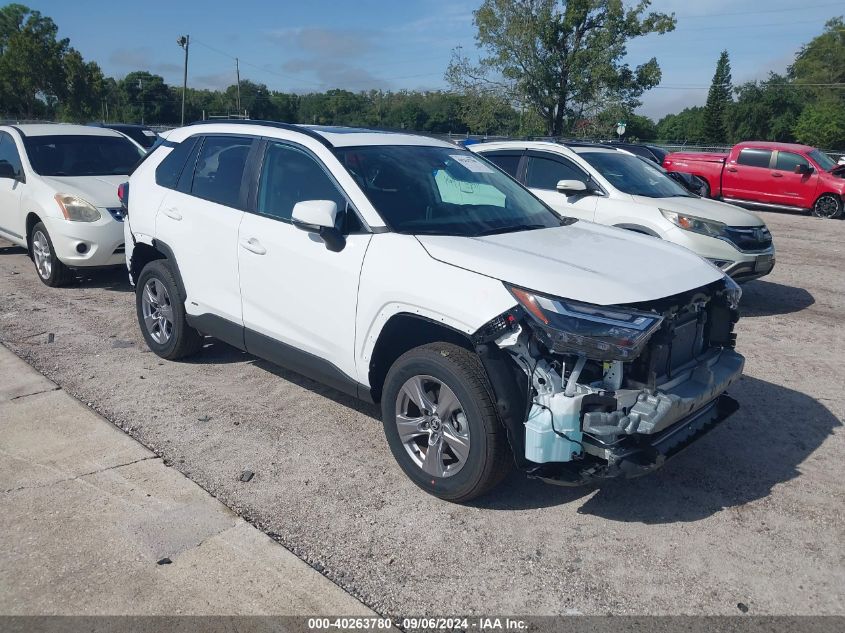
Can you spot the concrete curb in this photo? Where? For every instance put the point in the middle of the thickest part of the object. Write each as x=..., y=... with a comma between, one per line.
x=90, y=519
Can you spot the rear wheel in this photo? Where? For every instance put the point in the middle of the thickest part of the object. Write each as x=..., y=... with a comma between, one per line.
x=50, y=270
x=828, y=205
x=161, y=314
x=441, y=422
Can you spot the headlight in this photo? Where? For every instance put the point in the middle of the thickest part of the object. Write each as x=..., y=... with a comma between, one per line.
x=694, y=224
x=598, y=332
x=76, y=209
x=733, y=293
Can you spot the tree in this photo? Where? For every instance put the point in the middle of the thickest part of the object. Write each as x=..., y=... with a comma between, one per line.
x=31, y=69
x=822, y=124
x=84, y=91
x=718, y=101
x=687, y=126
x=765, y=110
x=562, y=57
x=821, y=62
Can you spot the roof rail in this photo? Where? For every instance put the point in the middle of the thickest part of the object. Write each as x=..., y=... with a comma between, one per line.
x=282, y=126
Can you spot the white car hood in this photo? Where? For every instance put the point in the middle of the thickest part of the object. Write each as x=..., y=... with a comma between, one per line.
x=101, y=191
x=705, y=208
x=583, y=261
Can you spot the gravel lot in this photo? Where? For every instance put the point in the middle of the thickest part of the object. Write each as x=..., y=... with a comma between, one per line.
x=754, y=513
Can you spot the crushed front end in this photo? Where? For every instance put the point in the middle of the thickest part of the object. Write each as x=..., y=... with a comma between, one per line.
x=592, y=392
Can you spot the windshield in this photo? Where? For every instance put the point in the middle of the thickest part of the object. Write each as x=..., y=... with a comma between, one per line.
x=443, y=191
x=633, y=176
x=81, y=155
x=822, y=160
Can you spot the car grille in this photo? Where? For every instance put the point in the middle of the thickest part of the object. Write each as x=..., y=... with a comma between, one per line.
x=754, y=238
x=118, y=213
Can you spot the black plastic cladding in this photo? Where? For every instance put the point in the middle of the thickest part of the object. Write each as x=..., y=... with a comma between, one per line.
x=282, y=126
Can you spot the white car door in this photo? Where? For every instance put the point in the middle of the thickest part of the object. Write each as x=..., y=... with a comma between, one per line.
x=11, y=187
x=299, y=298
x=545, y=170
x=200, y=224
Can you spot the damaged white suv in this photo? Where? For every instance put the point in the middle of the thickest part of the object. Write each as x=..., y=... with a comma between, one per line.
x=409, y=272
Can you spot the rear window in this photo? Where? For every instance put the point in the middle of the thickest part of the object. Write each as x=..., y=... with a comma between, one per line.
x=169, y=170
x=82, y=155
x=220, y=169
x=754, y=157
x=509, y=163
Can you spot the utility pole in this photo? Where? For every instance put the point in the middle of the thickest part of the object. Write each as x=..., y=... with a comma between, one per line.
x=238, y=76
x=184, y=41
x=141, y=94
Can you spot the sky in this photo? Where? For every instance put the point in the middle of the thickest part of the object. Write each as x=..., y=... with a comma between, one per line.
x=314, y=45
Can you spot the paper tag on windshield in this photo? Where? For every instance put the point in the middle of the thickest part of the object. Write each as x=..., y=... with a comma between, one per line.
x=471, y=163
x=148, y=133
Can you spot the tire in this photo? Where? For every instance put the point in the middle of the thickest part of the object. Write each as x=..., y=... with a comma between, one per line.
x=704, y=191
x=161, y=315
x=472, y=454
x=829, y=206
x=49, y=269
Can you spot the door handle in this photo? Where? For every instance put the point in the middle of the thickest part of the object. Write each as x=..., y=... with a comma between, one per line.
x=253, y=246
x=173, y=214
x=730, y=168
x=776, y=175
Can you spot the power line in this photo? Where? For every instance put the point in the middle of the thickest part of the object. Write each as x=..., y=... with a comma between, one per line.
x=757, y=12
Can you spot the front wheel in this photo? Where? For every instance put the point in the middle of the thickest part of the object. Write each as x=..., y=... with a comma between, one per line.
x=161, y=314
x=828, y=205
x=441, y=423
x=50, y=270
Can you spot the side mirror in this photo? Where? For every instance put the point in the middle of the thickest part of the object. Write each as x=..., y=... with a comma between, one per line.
x=319, y=216
x=7, y=171
x=804, y=170
x=571, y=186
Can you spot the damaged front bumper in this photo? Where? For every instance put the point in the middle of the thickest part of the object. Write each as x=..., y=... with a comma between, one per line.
x=643, y=454
x=578, y=410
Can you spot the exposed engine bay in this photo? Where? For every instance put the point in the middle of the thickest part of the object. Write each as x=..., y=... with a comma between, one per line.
x=592, y=392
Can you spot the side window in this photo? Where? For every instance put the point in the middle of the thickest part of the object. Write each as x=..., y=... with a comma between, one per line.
x=544, y=173
x=787, y=161
x=509, y=163
x=169, y=170
x=220, y=169
x=754, y=157
x=291, y=175
x=9, y=153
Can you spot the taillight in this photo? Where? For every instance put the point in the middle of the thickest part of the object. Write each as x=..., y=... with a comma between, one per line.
x=123, y=194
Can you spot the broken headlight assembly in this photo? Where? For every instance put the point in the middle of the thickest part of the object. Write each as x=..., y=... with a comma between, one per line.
x=604, y=333
x=694, y=224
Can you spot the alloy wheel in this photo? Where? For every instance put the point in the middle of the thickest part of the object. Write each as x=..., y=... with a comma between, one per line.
x=157, y=310
x=432, y=426
x=826, y=207
x=42, y=255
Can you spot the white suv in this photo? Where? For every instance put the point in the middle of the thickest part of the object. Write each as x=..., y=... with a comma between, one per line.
x=406, y=271
x=58, y=195
x=612, y=186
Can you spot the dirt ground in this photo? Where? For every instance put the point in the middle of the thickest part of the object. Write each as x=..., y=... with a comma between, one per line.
x=754, y=513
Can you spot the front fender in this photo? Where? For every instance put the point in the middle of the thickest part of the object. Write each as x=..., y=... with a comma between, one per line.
x=399, y=276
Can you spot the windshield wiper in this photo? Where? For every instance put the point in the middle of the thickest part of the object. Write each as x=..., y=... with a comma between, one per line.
x=510, y=229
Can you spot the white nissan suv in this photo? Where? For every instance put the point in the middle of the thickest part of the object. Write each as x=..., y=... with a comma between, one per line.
x=406, y=271
x=58, y=195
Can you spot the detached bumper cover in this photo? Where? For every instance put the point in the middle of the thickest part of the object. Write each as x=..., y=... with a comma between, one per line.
x=645, y=453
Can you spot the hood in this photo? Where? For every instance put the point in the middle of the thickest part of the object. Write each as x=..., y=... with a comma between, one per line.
x=583, y=261
x=101, y=191
x=705, y=208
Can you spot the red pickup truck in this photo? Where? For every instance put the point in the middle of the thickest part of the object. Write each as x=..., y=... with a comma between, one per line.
x=768, y=175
